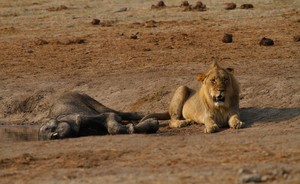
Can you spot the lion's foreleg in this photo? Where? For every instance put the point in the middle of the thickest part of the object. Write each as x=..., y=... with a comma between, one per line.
x=175, y=123
x=235, y=122
x=210, y=126
x=176, y=106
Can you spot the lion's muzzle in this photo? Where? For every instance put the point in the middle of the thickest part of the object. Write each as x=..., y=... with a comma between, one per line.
x=219, y=99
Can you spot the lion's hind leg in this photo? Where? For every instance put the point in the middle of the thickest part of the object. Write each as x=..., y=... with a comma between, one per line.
x=175, y=109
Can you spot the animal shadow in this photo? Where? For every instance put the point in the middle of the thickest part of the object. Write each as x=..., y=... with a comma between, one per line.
x=264, y=115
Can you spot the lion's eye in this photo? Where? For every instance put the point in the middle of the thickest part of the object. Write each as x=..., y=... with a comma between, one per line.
x=213, y=81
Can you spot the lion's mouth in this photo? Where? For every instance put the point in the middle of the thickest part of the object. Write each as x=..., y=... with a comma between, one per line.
x=219, y=100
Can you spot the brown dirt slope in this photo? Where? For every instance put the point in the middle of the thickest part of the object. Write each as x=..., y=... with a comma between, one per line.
x=50, y=47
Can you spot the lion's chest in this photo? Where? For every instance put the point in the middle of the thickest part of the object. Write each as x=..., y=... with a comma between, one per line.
x=220, y=116
x=194, y=110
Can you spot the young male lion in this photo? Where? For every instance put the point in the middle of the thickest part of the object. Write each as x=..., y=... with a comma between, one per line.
x=74, y=115
x=215, y=104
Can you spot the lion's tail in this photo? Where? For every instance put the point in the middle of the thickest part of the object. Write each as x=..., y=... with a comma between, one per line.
x=132, y=116
x=158, y=116
x=141, y=116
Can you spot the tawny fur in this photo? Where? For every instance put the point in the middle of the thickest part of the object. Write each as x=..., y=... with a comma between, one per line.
x=215, y=104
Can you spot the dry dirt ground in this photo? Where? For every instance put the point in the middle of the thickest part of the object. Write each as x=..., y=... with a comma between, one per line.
x=48, y=47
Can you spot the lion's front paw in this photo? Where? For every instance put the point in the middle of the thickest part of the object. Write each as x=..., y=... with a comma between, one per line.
x=236, y=124
x=179, y=123
x=211, y=129
x=239, y=124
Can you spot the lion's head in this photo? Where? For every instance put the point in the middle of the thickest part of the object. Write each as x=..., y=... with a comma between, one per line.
x=219, y=87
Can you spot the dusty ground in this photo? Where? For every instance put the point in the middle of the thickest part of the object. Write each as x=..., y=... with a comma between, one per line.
x=47, y=49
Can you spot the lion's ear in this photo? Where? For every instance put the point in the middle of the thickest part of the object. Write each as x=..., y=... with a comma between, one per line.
x=200, y=77
x=230, y=70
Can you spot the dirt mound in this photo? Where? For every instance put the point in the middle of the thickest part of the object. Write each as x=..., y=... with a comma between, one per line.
x=32, y=107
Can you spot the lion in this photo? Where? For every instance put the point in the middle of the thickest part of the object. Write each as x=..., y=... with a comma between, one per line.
x=215, y=104
x=75, y=115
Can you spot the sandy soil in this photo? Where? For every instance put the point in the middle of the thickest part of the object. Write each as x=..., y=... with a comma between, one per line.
x=50, y=47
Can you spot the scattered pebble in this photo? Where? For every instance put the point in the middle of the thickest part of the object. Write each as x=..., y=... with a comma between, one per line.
x=95, y=22
x=230, y=6
x=266, y=42
x=159, y=5
x=107, y=23
x=250, y=178
x=185, y=4
x=245, y=171
x=150, y=23
x=199, y=6
x=61, y=7
x=147, y=49
x=71, y=41
x=246, y=6
x=134, y=36
x=122, y=10
x=41, y=42
x=227, y=38
x=297, y=38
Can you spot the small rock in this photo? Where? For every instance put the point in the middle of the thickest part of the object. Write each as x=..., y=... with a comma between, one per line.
x=230, y=6
x=199, y=6
x=250, y=178
x=107, y=23
x=69, y=41
x=150, y=23
x=80, y=41
x=41, y=42
x=227, y=38
x=297, y=38
x=59, y=8
x=134, y=36
x=159, y=5
x=244, y=171
x=95, y=22
x=121, y=10
x=266, y=42
x=185, y=4
x=246, y=6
